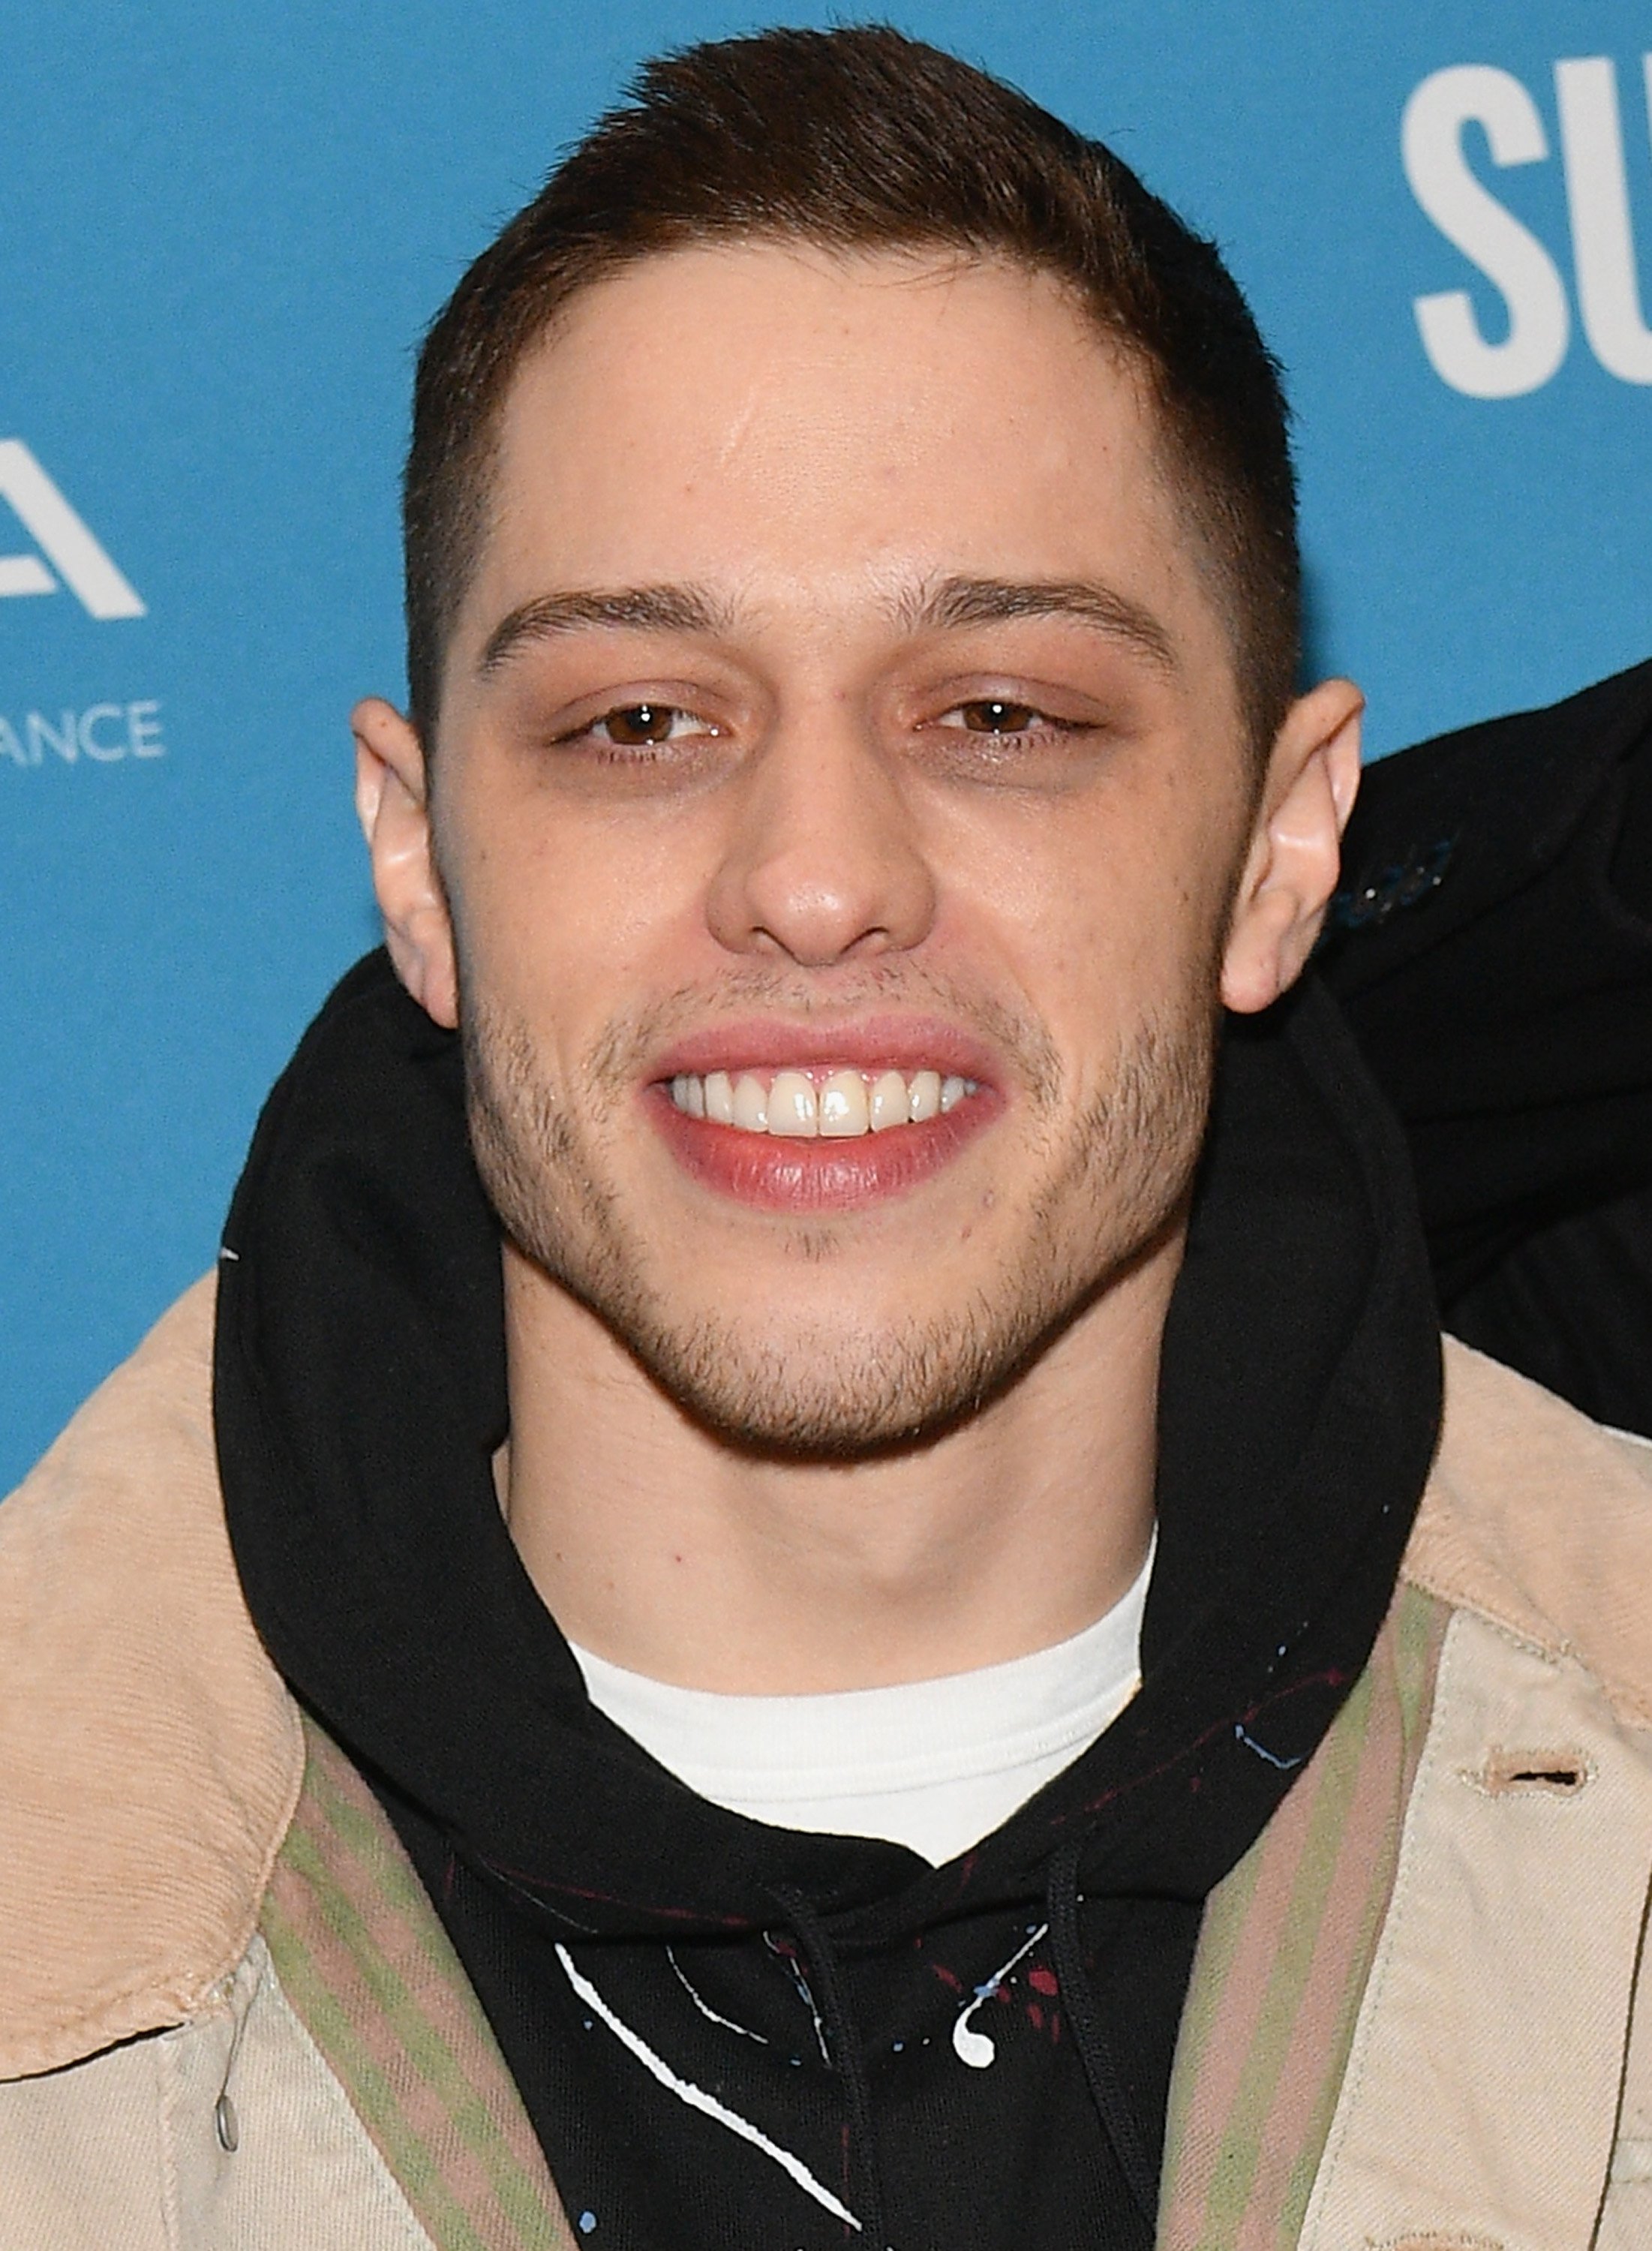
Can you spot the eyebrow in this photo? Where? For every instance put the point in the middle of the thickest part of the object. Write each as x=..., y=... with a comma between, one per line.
x=951, y=603
x=945, y=605
x=641, y=609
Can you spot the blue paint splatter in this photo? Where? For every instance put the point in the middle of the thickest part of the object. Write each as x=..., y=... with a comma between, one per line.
x=587, y=2221
x=899, y=2045
x=1263, y=1751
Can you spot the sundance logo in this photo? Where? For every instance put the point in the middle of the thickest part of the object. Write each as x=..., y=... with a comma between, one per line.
x=1589, y=110
x=64, y=542
x=105, y=734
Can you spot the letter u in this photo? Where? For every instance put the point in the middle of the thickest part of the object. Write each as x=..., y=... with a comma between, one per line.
x=1602, y=232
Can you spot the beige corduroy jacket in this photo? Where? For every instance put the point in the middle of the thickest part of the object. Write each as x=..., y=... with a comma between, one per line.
x=183, y=2068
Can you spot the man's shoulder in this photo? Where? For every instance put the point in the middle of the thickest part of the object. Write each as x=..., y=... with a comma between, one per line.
x=1540, y=1522
x=149, y=1755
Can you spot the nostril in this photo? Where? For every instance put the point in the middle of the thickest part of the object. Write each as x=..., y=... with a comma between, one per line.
x=1553, y=1773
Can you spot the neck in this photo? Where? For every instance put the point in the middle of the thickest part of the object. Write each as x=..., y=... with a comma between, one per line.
x=658, y=1546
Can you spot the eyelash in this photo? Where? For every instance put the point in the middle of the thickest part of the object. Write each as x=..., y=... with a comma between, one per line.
x=1040, y=720
x=613, y=753
x=645, y=751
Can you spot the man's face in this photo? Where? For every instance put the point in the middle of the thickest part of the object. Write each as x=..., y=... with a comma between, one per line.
x=840, y=793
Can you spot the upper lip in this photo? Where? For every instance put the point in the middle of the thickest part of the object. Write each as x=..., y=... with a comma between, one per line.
x=870, y=1044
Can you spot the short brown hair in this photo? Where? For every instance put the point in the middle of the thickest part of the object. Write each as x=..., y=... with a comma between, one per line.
x=861, y=139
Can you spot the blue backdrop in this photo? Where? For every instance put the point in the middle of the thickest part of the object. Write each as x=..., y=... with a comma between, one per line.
x=223, y=230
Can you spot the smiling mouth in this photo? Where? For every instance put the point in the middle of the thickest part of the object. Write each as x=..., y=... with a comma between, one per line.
x=812, y=1104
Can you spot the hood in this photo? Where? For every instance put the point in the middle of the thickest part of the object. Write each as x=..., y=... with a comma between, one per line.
x=360, y=1396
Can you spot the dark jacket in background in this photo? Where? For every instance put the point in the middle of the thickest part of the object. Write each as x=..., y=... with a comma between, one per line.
x=1492, y=947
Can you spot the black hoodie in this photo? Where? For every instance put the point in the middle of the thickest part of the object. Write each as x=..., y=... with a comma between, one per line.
x=726, y=2033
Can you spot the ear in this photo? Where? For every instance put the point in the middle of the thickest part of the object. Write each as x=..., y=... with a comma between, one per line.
x=1295, y=854
x=392, y=804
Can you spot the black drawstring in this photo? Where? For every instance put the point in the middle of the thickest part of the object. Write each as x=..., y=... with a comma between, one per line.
x=1107, y=2092
x=845, y=2048
x=1107, y=2089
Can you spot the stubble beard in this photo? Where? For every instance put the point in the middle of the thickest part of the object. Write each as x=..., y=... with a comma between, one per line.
x=1113, y=1180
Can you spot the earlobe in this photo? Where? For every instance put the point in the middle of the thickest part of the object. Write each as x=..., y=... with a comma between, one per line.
x=392, y=804
x=1313, y=777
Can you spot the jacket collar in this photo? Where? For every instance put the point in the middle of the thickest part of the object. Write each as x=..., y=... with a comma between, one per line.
x=1540, y=1522
x=150, y=1757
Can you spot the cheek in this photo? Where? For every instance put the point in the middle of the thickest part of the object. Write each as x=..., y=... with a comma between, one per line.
x=564, y=918
x=1105, y=910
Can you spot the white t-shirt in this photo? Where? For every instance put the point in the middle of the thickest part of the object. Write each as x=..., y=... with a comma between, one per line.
x=933, y=1764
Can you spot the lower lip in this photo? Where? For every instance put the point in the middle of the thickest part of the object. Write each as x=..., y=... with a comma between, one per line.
x=775, y=1172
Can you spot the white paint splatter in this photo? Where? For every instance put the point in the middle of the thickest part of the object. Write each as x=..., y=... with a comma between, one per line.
x=705, y=2007
x=794, y=1970
x=697, y=2099
x=970, y=2047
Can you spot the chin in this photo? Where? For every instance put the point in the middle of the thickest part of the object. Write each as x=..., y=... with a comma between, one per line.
x=823, y=1398
x=842, y=1390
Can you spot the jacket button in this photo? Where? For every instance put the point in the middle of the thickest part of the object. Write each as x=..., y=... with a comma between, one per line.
x=226, y=2124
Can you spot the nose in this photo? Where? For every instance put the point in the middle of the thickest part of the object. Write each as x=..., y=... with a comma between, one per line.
x=823, y=862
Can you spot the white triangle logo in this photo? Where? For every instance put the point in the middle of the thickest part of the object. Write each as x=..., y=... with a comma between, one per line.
x=62, y=539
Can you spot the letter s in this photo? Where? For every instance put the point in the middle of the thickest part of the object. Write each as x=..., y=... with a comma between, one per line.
x=1508, y=253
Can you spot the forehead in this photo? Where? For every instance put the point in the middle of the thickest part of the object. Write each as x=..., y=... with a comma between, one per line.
x=780, y=422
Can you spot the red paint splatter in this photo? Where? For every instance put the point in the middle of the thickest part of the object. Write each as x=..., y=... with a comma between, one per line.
x=947, y=1977
x=1043, y=1981
x=1035, y=2016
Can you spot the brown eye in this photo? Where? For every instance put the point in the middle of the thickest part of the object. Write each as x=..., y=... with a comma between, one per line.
x=638, y=724
x=992, y=717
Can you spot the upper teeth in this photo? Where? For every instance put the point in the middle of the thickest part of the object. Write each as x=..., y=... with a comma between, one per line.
x=836, y=1105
